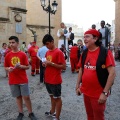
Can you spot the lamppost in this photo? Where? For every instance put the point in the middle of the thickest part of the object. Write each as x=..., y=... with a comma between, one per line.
x=109, y=36
x=48, y=9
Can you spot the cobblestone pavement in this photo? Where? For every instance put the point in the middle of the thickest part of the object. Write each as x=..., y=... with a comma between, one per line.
x=73, y=107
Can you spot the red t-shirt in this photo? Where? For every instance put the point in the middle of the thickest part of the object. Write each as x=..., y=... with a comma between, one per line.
x=90, y=84
x=17, y=76
x=52, y=74
x=74, y=52
x=7, y=51
x=33, y=51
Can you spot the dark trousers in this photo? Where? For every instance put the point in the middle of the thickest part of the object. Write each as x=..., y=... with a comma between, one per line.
x=42, y=69
x=119, y=54
x=70, y=42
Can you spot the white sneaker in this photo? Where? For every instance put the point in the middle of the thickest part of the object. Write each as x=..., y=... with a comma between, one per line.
x=55, y=118
x=49, y=114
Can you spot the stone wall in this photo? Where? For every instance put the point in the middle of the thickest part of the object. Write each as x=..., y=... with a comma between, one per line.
x=32, y=16
x=117, y=22
x=8, y=10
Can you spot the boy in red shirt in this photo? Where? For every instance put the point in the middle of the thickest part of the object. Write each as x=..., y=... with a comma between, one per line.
x=89, y=82
x=54, y=63
x=16, y=63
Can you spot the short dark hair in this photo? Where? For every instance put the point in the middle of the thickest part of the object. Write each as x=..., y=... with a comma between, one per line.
x=93, y=26
x=74, y=44
x=47, y=38
x=23, y=43
x=15, y=38
x=99, y=41
x=102, y=21
x=4, y=44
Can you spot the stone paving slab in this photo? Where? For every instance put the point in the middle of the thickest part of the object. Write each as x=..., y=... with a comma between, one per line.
x=73, y=106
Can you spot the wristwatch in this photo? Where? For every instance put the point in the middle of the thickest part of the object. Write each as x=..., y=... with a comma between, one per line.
x=105, y=93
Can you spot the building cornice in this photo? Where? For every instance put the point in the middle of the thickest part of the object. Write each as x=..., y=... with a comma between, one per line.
x=18, y=9
x=39, y=26
x=2, y=19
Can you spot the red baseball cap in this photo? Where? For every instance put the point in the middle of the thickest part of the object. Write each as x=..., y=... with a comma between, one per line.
x=33, y=42
x=93, y=32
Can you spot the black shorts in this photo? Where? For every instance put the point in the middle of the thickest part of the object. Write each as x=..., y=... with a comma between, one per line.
x=54, y=90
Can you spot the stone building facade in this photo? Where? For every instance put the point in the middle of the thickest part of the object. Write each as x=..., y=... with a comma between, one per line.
x=12, y=18
x=117, y=22
x=17, y=16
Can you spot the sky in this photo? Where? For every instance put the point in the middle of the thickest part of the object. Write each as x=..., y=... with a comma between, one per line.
x=84, y=13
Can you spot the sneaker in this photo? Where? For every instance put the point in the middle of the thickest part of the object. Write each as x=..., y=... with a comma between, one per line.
x=32, y=116
x=49, y=114
x=55, y=118
x=37, y=73
x=32, y=74
x=20, y=116
x=63, y=71
x=72, y=71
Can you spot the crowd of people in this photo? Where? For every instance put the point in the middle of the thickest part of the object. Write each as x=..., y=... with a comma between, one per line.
x=91, y=59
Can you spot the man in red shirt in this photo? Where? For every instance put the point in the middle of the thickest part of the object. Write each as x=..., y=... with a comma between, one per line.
x=35, y=65
x=95, y=95
x=74, y=58
x=54, y=63
x=16, y=62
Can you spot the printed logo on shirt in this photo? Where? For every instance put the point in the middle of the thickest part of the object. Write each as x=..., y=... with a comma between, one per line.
x=15, y=60
x=36, y=50
x=103, y=66
x=49, y=58
x=89, y=66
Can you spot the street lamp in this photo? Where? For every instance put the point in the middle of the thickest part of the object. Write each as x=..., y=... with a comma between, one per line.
x=48, y=9
x=109, y=28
